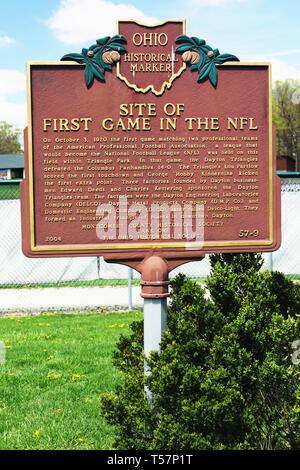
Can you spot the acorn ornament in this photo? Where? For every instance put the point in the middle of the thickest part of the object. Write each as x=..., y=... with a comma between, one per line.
x=109, y=57
x=186, y=56
x=191, y=56
x=195, y=58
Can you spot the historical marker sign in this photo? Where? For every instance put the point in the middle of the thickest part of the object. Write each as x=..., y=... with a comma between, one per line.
x=171, y=151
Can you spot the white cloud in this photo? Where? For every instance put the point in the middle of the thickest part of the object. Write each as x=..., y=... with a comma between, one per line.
x=281, y=53
x=213, y=3
x=77, y=21
x=6, y=41
x=13, y=113
x=281, y=70
x=11, y=82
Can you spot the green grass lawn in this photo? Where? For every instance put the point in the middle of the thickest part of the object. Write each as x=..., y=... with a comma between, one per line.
x=93, y=283
x=56, y=366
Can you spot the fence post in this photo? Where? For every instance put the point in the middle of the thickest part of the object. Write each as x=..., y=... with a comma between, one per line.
x=98, y=266
x=130, y=288
x=271, y=261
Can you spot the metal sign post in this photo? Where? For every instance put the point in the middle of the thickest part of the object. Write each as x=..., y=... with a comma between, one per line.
x=155, y=322
x=155, y=290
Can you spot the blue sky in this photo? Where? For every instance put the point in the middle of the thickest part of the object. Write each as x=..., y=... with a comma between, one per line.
x=35, y=30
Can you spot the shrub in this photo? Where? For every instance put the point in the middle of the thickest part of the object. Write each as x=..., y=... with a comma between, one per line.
x=224, y=378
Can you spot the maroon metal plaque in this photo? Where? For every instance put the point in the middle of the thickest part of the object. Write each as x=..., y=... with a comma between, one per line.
x=172, y=154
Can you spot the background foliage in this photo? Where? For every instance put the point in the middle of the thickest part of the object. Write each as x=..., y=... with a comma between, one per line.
x=286, y=118
x=9, y=139
x=224, y=378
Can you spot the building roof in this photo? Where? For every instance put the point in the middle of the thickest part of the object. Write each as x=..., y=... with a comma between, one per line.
x=9, y=161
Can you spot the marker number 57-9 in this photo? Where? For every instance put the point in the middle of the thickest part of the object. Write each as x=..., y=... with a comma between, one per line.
x=248, y=233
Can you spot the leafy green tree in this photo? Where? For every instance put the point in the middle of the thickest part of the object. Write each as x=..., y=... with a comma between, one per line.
x=224, y=378
x=286, y=118
x=9, y=139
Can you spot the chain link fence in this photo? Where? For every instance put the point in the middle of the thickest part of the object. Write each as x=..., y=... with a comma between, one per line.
x=19, y=271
